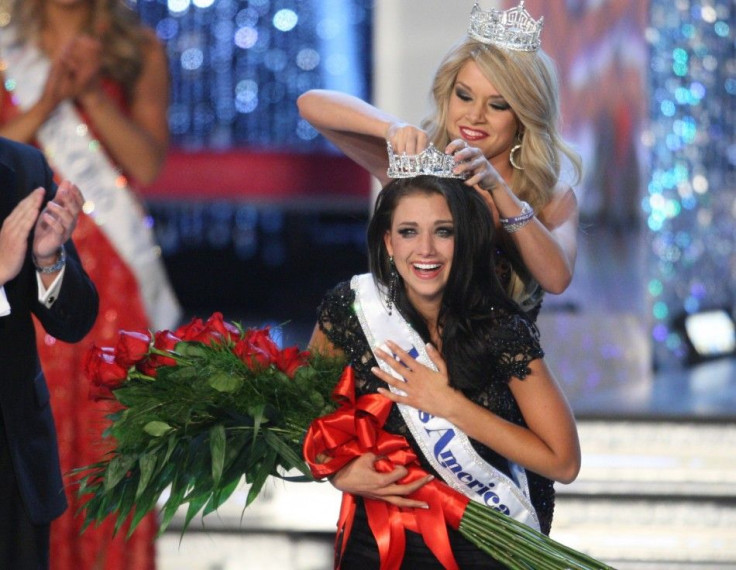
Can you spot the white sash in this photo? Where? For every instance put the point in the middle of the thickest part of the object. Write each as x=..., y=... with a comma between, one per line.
x=77, y=156
x=447, y=449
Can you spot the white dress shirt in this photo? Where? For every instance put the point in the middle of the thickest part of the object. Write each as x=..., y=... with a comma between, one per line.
x=45, y=296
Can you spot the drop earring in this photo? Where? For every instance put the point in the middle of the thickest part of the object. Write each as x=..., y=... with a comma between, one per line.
x=393, y=285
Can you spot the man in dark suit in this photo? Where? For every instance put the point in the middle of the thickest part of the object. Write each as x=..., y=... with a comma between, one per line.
x=40, y=274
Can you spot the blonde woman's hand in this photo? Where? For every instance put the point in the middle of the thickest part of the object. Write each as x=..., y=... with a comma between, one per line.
x=406, y=138
x=471, y=162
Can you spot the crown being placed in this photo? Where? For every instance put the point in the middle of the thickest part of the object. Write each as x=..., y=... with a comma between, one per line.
x=513, y=29
x=430, y=161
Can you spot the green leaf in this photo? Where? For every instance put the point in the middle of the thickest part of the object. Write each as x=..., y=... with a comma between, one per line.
x=217, y=450
x=266, y=467
x=225, y=382
x=169, y=450
x=257, y=412
x=157, y=428
x=291, y=457
x=195, y=505
x=179, y=374
x=147, y=465
x=124, y=504
x=317, y=400
x=192, y=349
x=235, y=444
x=221, y=495
x=130, y=396
x=141, y=510
x=305, y=375
x=253, y=457
x=178, y=490
x=117, y=469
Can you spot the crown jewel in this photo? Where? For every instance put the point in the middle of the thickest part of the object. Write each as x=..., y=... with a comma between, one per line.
x=429, y=161
x=513, y=29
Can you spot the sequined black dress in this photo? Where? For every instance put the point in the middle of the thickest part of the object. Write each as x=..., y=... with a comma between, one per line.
x=338, y=321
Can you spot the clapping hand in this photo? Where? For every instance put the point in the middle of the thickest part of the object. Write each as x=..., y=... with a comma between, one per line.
x=82, y=58
x=56, y=222
x=14, y=234
x=59, y=85
x=74, y=73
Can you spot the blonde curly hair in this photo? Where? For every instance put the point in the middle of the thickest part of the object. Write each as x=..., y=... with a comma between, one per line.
x=528, y=82
x=118, y=28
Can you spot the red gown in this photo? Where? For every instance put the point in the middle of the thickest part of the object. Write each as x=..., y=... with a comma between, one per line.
x=80, y=421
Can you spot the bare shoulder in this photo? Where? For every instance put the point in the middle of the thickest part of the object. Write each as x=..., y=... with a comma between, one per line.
x=153, y=81
x=319, y=343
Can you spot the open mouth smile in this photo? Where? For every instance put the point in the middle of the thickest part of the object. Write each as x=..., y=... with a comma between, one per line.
x=472, y=134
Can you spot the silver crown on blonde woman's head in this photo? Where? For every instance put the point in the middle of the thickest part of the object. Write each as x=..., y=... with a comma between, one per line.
x=513, y=29
x=430, y=161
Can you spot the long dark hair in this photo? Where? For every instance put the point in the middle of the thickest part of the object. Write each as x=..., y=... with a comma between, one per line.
x=473, y=296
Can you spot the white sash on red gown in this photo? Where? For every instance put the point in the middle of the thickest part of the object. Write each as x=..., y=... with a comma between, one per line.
x=75, y=155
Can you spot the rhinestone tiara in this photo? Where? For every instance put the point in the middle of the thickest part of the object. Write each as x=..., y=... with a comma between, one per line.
x=513, y=29
x=430, y=161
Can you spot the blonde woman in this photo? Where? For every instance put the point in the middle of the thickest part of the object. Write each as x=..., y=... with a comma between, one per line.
x=88, y=84
x=497, y=110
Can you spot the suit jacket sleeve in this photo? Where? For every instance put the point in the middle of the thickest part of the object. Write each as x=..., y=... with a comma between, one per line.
x=74, y=312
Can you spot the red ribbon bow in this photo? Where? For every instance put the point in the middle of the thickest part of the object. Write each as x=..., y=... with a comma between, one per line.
x=357, y=428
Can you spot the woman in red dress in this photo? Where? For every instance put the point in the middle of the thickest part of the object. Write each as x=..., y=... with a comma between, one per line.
x=88, y=84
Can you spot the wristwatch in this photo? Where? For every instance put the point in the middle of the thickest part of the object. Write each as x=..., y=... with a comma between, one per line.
x=56, y=266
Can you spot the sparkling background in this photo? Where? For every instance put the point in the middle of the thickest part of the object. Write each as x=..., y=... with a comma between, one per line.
x=237, y=66
x=690, y=203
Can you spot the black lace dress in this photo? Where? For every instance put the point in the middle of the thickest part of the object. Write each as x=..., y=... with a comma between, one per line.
x=338, y=321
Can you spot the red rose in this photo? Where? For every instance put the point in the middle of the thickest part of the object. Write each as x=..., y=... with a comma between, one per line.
x=217, y=324
x=132, y=347
x=147, y=367
x=290, y=360
x=261, y=338
x=215, y=330
x=102, y=369
x=190, y=330
x=165, y=341
x=251, y=355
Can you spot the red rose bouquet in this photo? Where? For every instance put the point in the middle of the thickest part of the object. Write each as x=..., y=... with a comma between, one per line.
x=209, y=404
x=199, y=409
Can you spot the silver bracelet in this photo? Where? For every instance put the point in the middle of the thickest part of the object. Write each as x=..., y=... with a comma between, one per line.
x=514, y=224
x=52, y=268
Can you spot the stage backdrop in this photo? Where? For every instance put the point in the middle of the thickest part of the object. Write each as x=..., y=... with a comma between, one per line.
x=648, y=95
x=690, y=203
